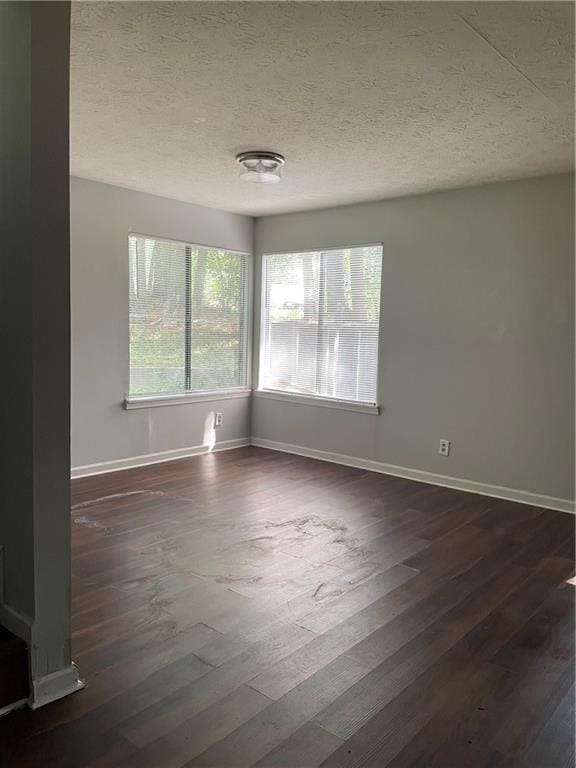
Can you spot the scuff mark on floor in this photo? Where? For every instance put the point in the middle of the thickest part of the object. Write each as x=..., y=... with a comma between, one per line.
x=90, y=523
x=301, y=523
x=325, y=590
x=238, y=579
x=112, y=497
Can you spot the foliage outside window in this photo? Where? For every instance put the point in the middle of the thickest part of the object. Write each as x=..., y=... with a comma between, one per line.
x=320, y=323
x=188, y=317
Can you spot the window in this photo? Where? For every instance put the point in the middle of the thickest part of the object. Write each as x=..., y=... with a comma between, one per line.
x=320, y=323
x=188, y=318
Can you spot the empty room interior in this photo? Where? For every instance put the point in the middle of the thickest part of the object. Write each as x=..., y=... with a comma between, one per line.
x=287, y=314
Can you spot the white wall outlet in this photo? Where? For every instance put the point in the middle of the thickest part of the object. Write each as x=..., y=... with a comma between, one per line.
x=217, y=419
x=444, y=447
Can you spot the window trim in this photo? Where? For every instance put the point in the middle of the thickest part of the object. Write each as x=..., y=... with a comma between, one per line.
x=130, y=402
x=320, y=400
x=180, y=241
x=156, y=401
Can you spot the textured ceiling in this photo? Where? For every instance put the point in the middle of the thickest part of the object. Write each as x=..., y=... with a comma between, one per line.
x=365, y=99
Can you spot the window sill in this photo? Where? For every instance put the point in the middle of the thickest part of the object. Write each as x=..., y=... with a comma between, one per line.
x=156, y=401
x=323, y=402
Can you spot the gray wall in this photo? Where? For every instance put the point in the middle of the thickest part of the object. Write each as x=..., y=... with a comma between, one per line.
x=16, y=531
x=101, y=218
x=477, y=341
x=34, y=328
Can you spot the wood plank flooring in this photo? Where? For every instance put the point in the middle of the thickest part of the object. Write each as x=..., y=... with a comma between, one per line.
x=252, y=608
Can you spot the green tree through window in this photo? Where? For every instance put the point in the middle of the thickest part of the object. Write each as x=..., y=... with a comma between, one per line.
x=188, y=313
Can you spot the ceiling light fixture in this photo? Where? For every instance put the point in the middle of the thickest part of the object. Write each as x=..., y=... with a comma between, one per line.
x=260, y=167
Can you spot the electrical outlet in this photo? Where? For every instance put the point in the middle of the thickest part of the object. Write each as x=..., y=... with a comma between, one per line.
x=444, y=448
x=217, y=419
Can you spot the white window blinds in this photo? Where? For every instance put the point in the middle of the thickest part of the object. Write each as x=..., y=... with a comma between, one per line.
x=188, y=317
x=320, y=323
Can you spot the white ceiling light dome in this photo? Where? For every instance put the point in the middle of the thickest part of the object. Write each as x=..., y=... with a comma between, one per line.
x=260, y=167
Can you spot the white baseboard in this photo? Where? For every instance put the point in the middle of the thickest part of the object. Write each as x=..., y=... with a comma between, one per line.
x=421, y=476
x=155, y=458
x=510, y=494
x=55, y=686
x=20, y=704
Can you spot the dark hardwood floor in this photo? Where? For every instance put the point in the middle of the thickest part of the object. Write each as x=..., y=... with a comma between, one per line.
x=252, y=608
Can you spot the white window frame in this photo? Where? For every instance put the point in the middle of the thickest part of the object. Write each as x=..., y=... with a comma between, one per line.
x=314, y=400
x=131, y=402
